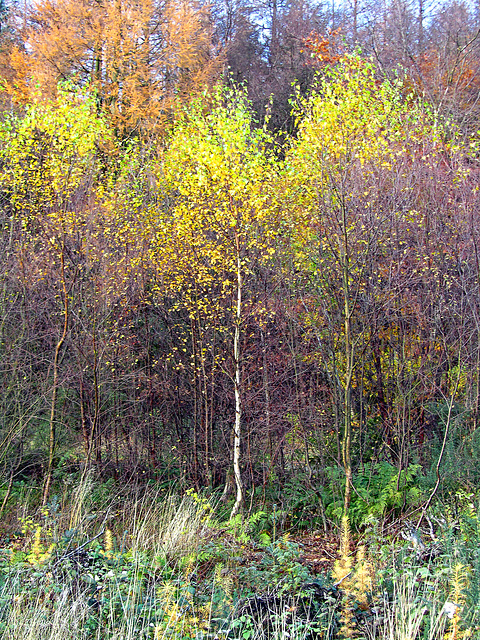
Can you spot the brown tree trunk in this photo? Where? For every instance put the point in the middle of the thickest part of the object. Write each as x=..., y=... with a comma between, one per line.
x=56, y=358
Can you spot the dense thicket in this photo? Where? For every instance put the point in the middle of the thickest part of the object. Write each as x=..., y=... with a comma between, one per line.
x=192, y=296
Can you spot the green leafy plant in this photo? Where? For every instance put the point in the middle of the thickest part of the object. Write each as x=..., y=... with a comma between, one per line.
x=378, y=489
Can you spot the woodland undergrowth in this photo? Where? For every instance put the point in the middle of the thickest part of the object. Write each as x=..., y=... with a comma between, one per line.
x=174, y=566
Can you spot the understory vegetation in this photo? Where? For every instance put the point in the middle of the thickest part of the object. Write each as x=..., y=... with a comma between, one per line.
x=97, y=564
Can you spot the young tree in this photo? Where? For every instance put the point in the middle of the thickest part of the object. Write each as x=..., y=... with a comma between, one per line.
x=354, y=134
x=47, y=156
x=218, y=228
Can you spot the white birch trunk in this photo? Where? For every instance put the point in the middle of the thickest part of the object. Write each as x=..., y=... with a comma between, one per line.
x=238, y=398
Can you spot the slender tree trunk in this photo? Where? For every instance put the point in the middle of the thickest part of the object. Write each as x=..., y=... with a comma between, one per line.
x=349, y=364
x=96, y=435
x=56, y=358
x=238, y=398
x=421, y=10
x=85, y=429
x=476, y=403
x=274, y=34
x=266, y=391
x=355, y=20
x=195, y=404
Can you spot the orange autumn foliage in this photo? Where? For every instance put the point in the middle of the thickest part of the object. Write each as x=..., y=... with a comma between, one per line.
x=138, y=57
x=325, y=49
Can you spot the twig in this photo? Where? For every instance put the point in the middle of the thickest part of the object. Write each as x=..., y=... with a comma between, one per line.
x=71, y=553
x=442, y=450
x=336, y=584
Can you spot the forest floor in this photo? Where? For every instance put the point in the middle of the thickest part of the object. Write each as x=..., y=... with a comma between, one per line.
x=171, y=568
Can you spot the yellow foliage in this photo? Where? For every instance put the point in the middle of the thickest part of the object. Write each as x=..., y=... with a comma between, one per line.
x=185, y=620
x=362, y=581
x=42, y=545
x=221, y=215
x=458, y=585
x=354, y=578
x=343, y=566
